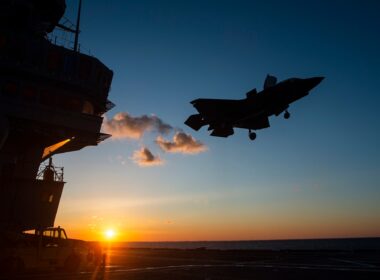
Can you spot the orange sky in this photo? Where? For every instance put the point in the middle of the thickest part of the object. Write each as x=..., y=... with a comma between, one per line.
x=140, y=222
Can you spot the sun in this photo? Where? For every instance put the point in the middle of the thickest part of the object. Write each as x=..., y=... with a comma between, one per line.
x=110, y=234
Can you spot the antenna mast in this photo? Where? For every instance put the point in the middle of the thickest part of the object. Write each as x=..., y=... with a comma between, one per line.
x=77, y=29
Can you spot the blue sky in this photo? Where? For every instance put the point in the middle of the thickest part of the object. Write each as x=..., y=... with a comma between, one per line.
x=314, y=175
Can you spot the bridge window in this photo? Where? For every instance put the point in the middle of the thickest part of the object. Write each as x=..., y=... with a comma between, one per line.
x=88, y=108
x=68, y=103
x=84, y=69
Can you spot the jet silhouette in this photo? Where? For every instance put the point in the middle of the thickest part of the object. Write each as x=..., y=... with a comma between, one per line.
x=253, y=112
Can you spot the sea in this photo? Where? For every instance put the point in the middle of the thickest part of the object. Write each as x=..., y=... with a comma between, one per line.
x=294, y=244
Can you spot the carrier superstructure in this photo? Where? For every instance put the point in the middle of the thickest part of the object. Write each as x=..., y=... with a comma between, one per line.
x=52, y=100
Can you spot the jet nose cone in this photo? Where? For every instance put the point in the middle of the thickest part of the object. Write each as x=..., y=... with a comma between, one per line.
x=313, y=82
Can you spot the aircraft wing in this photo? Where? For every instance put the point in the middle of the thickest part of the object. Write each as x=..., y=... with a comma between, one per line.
x=216, y=108
x=222, y=131
x=254, y=122
x=223, y=115
x=219, y=114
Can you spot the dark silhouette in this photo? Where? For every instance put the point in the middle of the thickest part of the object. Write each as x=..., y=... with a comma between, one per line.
x=52, y=100
x=251, y=113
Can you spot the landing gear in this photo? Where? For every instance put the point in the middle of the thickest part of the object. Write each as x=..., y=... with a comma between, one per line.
x=252, y=135
x=286, y=115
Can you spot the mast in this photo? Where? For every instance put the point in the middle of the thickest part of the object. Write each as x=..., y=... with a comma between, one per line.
x=77, y=28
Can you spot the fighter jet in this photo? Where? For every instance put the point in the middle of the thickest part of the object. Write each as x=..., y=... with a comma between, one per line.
x=252, y=112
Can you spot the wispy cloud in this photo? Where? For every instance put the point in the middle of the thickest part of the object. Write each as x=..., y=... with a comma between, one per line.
x=123, y=125
x=181, y=143
x=144, y=157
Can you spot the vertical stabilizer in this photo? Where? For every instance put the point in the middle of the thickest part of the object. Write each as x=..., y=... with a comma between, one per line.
x=270, y=81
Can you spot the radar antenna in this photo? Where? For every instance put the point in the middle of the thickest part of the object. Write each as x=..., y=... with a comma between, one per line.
x=77, y=27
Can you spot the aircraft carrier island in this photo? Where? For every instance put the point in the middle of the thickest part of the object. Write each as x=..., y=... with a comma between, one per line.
x=52, y=99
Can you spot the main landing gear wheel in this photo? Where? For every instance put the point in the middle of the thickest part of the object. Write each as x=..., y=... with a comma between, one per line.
x=252, y=135
x=286, y=115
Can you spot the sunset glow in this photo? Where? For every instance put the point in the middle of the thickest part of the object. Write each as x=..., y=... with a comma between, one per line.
x=110, y=234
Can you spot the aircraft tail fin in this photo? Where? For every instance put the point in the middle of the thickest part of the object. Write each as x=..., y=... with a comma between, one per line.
x=270, y=81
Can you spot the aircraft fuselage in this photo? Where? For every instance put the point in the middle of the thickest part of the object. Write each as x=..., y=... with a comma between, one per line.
x=271, y=101
x=252, y=112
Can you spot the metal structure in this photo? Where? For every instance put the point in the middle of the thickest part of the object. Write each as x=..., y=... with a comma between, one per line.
x=51, y=101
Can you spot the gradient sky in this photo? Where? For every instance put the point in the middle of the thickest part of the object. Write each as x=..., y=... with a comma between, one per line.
x=314, y=175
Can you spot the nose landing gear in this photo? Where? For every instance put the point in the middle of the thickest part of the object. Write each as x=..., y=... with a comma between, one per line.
x=252, y=135
x=286, y=115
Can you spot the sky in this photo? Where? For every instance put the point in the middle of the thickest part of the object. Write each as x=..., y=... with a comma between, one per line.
x=315, y=175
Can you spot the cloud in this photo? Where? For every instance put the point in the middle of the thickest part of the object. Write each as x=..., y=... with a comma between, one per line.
x=123, y=125
x=144, y=157
x=182, y=143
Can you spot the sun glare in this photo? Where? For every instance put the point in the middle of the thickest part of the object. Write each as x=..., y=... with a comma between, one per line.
x=110, y=234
